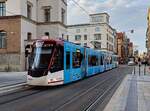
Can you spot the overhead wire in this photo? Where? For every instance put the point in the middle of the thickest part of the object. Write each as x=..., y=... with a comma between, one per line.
x=78, y=5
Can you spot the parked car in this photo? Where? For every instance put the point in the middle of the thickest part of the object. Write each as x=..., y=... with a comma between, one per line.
x=130, y=63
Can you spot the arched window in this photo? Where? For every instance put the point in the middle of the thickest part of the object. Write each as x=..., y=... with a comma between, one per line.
x=3, y=35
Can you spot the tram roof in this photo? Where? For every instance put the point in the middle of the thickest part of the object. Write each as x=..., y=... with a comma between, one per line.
x=54, y=41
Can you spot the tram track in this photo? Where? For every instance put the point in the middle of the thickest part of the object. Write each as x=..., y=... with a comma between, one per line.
x=83, y=93
x=11, y=87
x=16, y=95
x=7, y=84
x=29, y=91
x=24, y=93
x=100, y=99
x=18, y=90
x=78, y=95
x=100, y=88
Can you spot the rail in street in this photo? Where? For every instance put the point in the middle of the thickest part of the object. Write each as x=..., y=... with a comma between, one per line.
x=11, y=81
x=12, y=87
x=86, y=95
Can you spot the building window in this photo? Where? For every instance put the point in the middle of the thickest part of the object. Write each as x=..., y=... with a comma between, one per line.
x=97, y=36
x=47, y=14
x=78, y=30
x=47, y=34
x=77, y=37
x=85, y=30
x=67, y=37
x=85, y=44
x=97, y=45
x=97, y=19
x=107, y=18
x=29, y=10
x=85, y=37
x=107, y=46
x=97, y=29
x=63, y=15
x=107, y=36
x=29, y=36
x=62, y=36
x=3, y=39
x=2, y=8
x=112, y=40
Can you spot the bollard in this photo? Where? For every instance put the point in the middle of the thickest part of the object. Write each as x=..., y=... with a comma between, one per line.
x=145, y=69
x=134, y=70
x=139, y=63
x=139, y=70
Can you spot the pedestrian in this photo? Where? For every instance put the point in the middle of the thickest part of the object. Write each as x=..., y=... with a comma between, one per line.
x=139, y=62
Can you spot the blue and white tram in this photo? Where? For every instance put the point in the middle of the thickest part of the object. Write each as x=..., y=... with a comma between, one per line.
x=57, y=62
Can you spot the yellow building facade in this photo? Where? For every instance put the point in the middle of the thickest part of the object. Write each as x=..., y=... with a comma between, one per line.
x=148, y=35
x=148, y=32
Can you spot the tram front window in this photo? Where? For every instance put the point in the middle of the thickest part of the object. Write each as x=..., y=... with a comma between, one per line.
x=40, y=58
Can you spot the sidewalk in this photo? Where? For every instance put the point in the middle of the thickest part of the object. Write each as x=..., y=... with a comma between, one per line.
x=133, y=94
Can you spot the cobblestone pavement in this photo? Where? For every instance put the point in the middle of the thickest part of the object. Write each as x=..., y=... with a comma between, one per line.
x=134, y=92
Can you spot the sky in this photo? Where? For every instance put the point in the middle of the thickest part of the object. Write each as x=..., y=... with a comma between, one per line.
x=125, y=15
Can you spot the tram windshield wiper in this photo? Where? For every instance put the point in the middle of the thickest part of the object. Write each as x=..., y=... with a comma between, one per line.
x=41, y=58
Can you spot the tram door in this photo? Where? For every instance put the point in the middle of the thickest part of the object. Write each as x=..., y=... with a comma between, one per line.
x=67, y=63
x=84, y=64
x=77, y=63
x=105, y=62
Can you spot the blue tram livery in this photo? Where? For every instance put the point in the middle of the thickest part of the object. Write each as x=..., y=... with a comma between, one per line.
x=57, y=62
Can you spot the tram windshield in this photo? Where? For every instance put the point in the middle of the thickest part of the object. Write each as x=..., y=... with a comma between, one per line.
x=40, y=57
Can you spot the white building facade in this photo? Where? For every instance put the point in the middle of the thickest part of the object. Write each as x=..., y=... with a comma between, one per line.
x=98, y=32
x=36, y=18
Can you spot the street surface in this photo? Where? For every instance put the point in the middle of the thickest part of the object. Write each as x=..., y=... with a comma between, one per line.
x=86, y=95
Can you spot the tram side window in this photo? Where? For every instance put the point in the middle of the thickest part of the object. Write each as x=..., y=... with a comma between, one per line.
x=77, y=59
x=101, y=61
x=110, y=60
x=117, y=59
x=96, y=60
x=68, y=60
x=58, y=64
x=113, y=59
x=89, y=61
x=93, y=60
